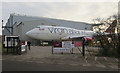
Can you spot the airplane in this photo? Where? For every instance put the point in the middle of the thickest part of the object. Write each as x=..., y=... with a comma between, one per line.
x=51, y=33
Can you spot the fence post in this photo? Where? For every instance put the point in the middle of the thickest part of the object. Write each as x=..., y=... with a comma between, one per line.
x=52, y=46
x=83, y=46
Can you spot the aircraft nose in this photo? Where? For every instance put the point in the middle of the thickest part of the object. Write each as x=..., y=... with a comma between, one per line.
x=32, y=33
x=28, y=33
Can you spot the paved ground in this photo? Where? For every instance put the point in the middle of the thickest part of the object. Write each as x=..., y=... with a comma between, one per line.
x=41, y=59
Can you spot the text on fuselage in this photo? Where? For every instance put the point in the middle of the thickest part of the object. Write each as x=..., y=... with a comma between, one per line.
x=67, y=31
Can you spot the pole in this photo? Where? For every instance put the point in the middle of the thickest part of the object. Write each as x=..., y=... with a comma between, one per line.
x=19, y=45
x=52, y=46
x=2, y=36
x=7, y=44
x=13, y=44
x=83, y=46
x=2, y=28
x=72, y=50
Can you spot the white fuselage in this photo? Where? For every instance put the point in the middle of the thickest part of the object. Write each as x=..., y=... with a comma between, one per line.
x=49, y=33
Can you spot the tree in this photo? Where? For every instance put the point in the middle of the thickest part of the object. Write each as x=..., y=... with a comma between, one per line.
x=109, y=43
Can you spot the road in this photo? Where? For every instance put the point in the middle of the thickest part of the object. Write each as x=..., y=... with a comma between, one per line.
x=41, y=59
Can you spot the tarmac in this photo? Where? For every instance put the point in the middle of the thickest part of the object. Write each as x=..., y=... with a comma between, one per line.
x=40, y=58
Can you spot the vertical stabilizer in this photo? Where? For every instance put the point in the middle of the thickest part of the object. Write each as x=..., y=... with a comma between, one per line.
x=111, y=28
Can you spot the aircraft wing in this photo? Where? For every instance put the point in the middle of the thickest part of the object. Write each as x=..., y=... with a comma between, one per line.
x=74, y=37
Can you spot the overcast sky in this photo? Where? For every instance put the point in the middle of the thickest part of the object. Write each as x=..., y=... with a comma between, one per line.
x=75, y=11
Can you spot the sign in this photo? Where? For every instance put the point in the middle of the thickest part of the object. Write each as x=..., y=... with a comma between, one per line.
x=62, y=47
x=57, y=44
x=61, y=50
x=78, y=44
x=23, y=48
x=67, y=44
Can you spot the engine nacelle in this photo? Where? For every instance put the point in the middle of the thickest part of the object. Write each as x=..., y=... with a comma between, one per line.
x=88, y=38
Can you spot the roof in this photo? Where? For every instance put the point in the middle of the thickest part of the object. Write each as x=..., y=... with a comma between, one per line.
x=51, y=19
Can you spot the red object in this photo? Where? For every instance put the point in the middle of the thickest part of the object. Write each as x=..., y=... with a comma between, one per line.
x=108, y=30
x=57, y=44
x=69, y=38
x=89, y=38
x=41, y=28
x=23, y=43
x=111, y=28
x=77, y=44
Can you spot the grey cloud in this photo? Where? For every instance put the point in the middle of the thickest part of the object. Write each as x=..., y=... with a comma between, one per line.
x=84, y=11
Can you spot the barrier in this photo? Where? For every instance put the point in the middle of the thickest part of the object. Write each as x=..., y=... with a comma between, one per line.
x=12, y=43
x=67, y=46
x=62, y=47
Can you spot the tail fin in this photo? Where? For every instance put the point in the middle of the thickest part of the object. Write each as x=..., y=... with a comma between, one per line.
x=111, y=28
x=108, y=30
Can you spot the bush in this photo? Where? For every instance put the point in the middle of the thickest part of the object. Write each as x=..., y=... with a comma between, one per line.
x=110, y=49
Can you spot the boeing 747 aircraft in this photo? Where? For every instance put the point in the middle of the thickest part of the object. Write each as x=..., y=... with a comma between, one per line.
x=49, y=33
